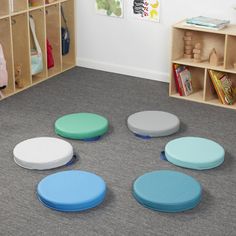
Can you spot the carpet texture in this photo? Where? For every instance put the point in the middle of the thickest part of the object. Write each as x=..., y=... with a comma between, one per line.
x=119, y=158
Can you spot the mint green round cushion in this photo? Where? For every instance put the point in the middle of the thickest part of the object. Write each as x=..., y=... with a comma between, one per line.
x=194, y=153
x=81, y=126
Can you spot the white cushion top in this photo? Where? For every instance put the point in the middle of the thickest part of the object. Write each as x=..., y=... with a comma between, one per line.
x=153, y=123
x=42, y=153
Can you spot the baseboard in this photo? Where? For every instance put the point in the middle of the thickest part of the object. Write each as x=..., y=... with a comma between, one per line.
x=121, y=69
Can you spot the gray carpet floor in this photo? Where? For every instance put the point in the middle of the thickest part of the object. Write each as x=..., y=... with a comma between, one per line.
x=119, y=158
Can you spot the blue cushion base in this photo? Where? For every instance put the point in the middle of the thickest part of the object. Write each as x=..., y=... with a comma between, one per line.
x=146, y=137
x=91, y=139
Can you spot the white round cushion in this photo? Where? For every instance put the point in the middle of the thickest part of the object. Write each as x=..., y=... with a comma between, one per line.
x=153, y=123
x=42, y=153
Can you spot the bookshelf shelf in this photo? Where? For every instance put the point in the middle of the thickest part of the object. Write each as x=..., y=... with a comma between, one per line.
x=224, y=41
x=16, y=39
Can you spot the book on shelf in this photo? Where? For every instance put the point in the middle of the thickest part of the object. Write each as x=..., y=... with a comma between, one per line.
x=183, y=80
x=207, y=22
x=224, y=87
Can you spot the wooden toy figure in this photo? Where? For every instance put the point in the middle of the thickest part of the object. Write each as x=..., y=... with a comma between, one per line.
x=197, y=53
x=188, y=45
x=18, y=76
x=213, y=58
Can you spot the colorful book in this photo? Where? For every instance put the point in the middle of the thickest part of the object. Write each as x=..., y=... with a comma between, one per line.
x=178, y=82
x=185, y=76
x=223, y=86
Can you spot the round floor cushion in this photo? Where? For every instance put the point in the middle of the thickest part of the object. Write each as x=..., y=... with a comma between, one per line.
x=153, y=123
x=43, y=153
x=72, y=190
x=167, y=191
x=194, y=153
x=83, y=126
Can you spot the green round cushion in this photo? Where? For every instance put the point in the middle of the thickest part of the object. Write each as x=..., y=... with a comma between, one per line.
x=81, y=126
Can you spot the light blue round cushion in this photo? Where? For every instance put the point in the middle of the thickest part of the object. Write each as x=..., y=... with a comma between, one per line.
x=71, y=191
x=194, y=153
x=167, y=191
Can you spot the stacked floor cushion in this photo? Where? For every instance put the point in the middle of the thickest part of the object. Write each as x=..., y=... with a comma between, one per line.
x=167, y=191
x=83, y=126
x=153, y=123
x=43, y=153
x=194, y=153
x=71, y=191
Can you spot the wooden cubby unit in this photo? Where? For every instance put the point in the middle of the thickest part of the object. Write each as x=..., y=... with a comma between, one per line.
x=224, y=41
x=16, y=39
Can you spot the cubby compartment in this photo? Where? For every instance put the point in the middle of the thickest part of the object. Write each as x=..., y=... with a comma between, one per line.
x=35, y=3
x=50, y=2
x=197, y=77
x=19, y=5
x=67, y=7
x=231, y=53
x=208, y=42
x=211, y=94
x=5, y=41
x=4, y=9
x=53, y=29
x=39, y=19
x=20, y=35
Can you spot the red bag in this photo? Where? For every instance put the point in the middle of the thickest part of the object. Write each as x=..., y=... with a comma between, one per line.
x=50, y=58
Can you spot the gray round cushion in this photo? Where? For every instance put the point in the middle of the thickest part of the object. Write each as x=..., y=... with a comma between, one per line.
x=153, y=123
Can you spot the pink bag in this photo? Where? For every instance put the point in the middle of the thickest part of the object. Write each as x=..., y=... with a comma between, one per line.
x=3, y=70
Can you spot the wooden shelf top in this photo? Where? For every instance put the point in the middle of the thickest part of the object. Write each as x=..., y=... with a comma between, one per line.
x=229, y=30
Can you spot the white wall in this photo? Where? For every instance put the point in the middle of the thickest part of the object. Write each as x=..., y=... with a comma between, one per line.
x=134, y=47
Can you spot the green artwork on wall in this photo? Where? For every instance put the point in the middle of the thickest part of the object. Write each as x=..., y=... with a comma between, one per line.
x=110, y=7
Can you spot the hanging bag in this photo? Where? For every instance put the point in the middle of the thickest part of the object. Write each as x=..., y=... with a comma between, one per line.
x=50, y=59
x=3, y=70
x=65, y=35
x=36, y=54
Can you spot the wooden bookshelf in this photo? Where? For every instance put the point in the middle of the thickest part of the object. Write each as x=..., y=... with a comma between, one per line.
x=224, y=41
x=16, y=39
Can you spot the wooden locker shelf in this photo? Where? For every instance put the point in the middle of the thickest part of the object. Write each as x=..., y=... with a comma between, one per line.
x=53, y=29
x=16, y=39
x=224, y=41
x=4, y=10
x=5, y=40
x=68, y=59
x=39, y=19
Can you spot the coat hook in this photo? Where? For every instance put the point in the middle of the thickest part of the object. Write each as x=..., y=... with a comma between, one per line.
x=13, y=21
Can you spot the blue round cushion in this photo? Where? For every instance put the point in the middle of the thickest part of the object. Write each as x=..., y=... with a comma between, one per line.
x=71, y=191
x=194, y=153
x=167, y=191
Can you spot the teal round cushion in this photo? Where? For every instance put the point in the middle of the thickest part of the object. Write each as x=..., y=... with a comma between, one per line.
x=72, y=190
x=167, y=191
x=81, y=126
x=194, y=153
